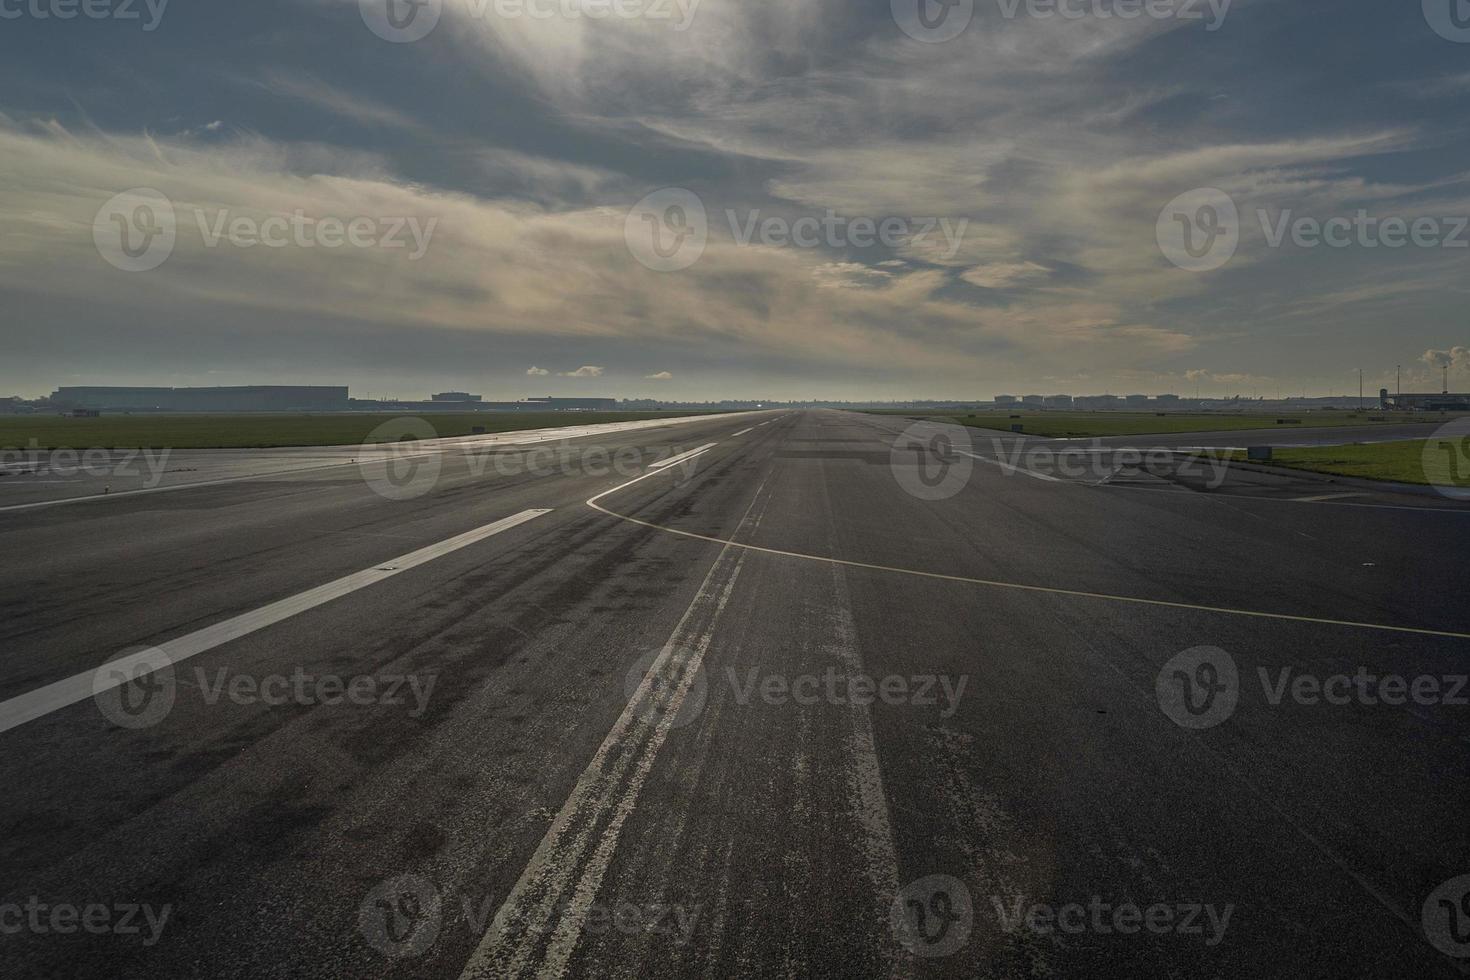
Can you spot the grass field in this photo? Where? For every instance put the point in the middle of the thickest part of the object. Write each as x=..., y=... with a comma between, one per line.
x=266, y=431
x=1431, y=462
x=1080, y=424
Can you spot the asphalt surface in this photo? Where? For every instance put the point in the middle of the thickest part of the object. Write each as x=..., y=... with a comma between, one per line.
x=832, y=697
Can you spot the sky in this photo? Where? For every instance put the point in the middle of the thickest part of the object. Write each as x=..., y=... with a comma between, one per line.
x=705, y=199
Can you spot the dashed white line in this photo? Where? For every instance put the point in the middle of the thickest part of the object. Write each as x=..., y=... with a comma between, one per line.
x=44, y=700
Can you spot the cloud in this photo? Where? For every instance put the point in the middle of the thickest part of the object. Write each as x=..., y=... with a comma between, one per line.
x=848, y=275
x=536, y=372
x=1199, y=375
x=496, y=266
x=551, y=183
x=585, y=371
x=660, y=376
x=1454, y=357
x=209, y=127
x=792, y=109
x=315, y=92
x=999, y=275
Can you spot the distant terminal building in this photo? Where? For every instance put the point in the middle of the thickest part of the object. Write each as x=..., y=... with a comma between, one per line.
x=1094, y=402
x=1058, y=401
x=245, y=398
x=1136, y=401
x=1444, y=401
x=1166, y=401
x=458, y=401
x=1005, y=401
x=1036, y=400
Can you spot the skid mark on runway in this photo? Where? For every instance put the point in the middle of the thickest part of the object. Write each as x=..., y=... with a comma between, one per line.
x=984, y=839
x=537, y=928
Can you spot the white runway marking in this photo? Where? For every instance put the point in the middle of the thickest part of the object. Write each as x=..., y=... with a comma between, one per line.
x=1020, y=587
x=513, y=439
x=44, y=700
x=682, y=456
x=551, y=898
x=1327, y=496
x=38, y=504
x=865, y=775
x=742, y=432
x=1009, y=468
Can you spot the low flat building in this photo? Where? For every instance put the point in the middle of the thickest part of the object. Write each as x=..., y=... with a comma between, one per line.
x=1444, y=401
x=477, y=404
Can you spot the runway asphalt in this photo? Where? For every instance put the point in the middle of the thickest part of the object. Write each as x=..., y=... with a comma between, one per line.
x=769, y=694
